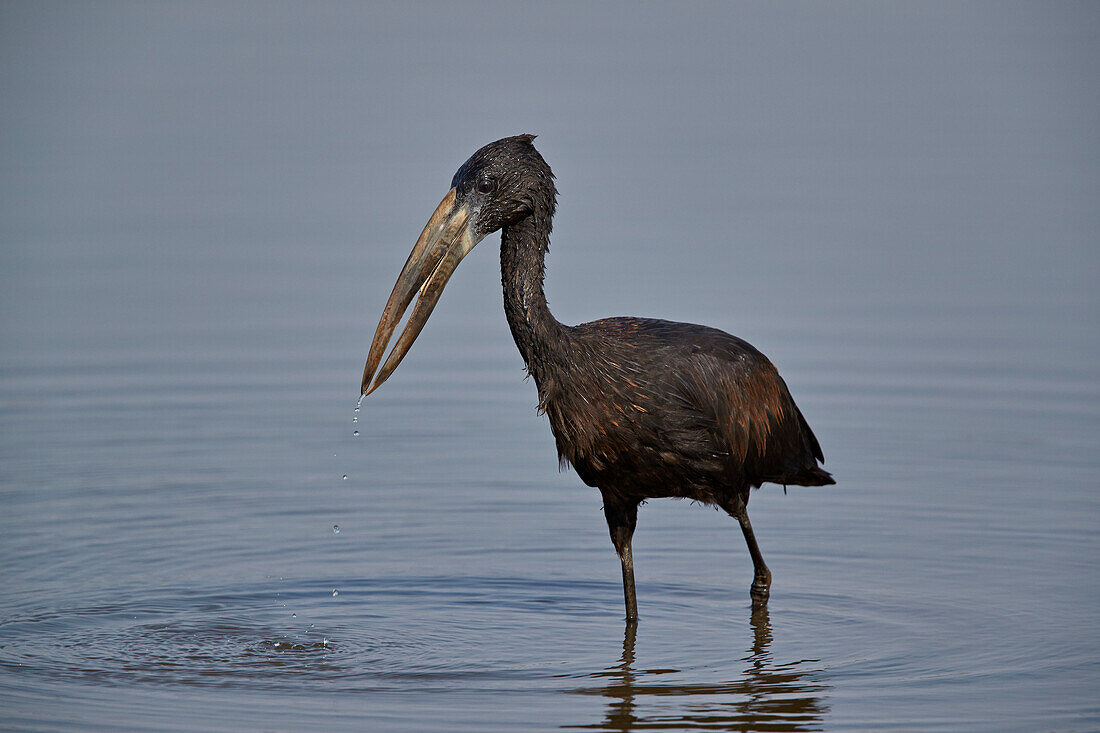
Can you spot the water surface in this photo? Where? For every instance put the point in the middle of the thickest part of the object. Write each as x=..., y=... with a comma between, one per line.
x=205, y=210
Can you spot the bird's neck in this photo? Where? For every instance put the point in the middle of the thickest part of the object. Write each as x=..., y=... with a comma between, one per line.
x=523, y=247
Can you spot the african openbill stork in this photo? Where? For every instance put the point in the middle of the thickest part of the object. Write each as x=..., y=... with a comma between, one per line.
x=641, y=408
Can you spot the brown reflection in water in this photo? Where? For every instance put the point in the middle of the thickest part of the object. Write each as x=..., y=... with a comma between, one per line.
x=768, y=697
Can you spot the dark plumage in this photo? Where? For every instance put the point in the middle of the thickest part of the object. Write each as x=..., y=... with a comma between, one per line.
x=641, y=408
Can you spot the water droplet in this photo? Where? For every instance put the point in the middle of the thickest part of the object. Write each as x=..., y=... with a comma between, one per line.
x=336, y=529
x=277, y=644
x=324, y=642
x=356, y=433
x=355, y=419
x=345, y=477
x=311, y=626
x=294, y=615
x=335, y=592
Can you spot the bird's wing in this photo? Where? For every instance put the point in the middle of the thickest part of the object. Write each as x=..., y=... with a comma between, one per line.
x=737, y=387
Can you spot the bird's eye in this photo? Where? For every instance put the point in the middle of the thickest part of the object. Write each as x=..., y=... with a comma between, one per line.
x=484, y=186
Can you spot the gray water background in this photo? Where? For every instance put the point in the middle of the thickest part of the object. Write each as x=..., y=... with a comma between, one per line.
x=203, y=207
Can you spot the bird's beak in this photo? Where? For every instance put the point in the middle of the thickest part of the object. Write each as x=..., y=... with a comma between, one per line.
x=446, y=239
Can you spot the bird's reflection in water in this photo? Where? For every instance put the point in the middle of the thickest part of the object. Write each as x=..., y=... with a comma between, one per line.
x=768, y=696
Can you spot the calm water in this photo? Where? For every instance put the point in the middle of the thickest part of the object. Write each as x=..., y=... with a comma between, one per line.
x=202, y=212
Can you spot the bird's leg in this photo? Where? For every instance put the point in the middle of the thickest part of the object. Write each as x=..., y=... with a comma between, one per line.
x=621, y=520
x=762, y=577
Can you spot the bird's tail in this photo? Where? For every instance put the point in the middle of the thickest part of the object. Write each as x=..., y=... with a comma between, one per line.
x=815, y=476
x=806, y=476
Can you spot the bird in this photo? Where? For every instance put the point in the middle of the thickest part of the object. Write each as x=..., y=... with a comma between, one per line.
x=640, y=408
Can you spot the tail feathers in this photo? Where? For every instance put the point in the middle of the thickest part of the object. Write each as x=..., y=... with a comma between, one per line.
x=815, y=476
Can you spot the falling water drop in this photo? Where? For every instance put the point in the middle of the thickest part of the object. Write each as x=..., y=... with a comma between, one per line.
x=356, y=434
x=294, y=615
x=336, y=529
x=335, y=592
x=345, y=478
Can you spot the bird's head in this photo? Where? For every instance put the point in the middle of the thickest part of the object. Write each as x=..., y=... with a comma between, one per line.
x=500, y=185
x=504, y=182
